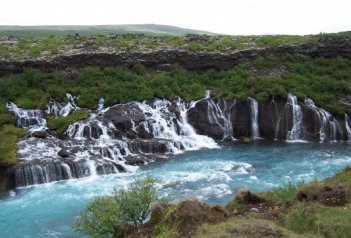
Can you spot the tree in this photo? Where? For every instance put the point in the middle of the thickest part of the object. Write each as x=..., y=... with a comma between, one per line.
x=125, y=206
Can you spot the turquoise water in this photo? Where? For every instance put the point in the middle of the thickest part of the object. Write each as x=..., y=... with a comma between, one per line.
x=211, y=175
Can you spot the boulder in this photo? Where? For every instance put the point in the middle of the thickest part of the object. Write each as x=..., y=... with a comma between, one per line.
x=40, y=134
x=244, y=196
x=63, y=153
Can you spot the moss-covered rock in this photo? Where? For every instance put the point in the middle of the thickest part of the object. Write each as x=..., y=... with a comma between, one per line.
x=60, y=124
x=8, y=147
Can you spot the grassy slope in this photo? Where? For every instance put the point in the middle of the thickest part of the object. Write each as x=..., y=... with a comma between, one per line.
x=42, y=31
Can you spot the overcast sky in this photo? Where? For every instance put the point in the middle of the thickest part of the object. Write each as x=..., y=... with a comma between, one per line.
x=220, y=16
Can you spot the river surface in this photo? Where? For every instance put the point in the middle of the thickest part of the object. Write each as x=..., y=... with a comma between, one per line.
x=211, y=175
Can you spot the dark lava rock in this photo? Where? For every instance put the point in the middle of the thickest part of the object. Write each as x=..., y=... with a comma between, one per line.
x=40, y=134
x=198, y=118
x=63, y=153
x=244, y=196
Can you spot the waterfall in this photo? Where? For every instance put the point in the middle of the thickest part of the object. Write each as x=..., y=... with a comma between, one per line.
x=328, y=124
x=296, y=132
x=220, y=114
x=254, y=118
x=347, y=126
x=31, y=119
x=62, y=109
x=164, y=124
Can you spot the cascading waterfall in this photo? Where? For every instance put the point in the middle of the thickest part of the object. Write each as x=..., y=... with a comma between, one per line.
x=31, y=119
x=296, y=132
x=62, y=109
x=347, y=126
x=93, y=148
x=118, y=138
x=254, y=118
x=328, y=124
x=163, y=124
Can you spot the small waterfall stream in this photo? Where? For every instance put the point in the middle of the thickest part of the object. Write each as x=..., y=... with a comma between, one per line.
x=31, y=119
x=347, y=126
x=296, y=132
x=255, y=133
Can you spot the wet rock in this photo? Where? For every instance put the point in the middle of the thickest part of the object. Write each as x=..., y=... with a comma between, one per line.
x=244, y=196
x=241, y=120
x=198, y=117
x=40, y=134
x=143, y=134
x=153, y=146
x=7, y=178
x=63, y=153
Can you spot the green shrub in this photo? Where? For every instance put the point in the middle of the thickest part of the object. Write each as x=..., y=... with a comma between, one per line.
x=99, y=218
x=124, y=207
x=135, y=203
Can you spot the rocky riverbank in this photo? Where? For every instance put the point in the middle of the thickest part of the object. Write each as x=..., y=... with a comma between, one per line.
x=318, y=209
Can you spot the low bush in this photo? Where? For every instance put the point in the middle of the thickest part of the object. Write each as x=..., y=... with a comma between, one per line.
x=107, y=215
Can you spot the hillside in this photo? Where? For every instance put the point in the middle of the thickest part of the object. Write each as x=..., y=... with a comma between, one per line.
x=148, y=29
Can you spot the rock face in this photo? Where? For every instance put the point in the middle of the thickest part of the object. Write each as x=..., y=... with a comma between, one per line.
x=161, y=59
x=279, y=119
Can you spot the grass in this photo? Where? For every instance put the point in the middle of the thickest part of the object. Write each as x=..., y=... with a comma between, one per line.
x=8, y=147
x=312, y=218
x=245, y=228
x=60, y=124
x=286, y=193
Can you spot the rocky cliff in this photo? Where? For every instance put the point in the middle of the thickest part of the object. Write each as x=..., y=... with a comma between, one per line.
x=161, y=59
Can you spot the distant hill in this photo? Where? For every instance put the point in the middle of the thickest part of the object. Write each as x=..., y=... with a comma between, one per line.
x=148, y=29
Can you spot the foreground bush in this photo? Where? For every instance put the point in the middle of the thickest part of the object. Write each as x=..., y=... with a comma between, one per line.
x=125, y=207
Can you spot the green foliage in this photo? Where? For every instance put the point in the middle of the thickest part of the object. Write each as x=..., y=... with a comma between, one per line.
x=125, y=206
x=135, y=203
x=60, y=124
x=8, y=137
x=99, y=218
